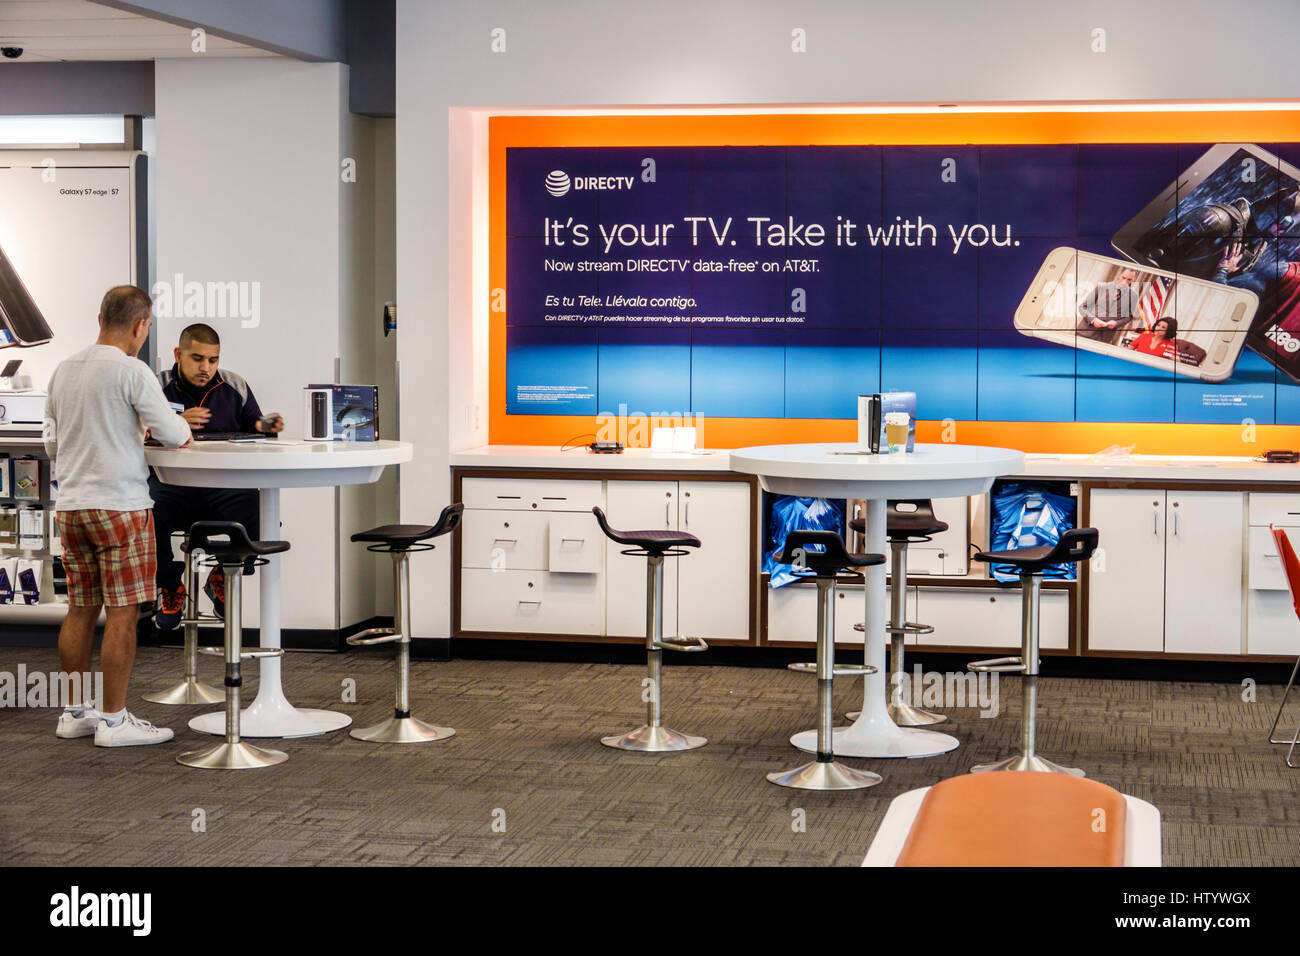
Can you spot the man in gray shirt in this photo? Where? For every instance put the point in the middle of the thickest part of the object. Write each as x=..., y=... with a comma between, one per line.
x=101, y=401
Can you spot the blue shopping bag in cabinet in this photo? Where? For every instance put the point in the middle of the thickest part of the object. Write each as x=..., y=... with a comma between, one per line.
x=1028, y=516
x=796, y=514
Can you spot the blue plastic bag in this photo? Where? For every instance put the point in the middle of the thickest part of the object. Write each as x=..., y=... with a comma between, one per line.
x=1027, y=516
x=796, y=514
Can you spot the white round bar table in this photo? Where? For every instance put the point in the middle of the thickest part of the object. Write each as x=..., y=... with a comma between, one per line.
x=839, y=471
x=269, y=466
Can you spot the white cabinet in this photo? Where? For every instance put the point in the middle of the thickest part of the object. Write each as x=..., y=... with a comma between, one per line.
x=713, y=593
x=990, y=617
x=1126, y=583
x=534, y=560
x=638, y=505
x=1203, y=571
x=707, y=590
x=1168, y=576
x=792, y=613
x=1271, y=623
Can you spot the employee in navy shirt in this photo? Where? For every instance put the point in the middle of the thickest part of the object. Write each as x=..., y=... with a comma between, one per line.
x=214, y=400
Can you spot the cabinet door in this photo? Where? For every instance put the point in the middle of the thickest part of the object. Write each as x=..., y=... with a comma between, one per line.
x=638, y=506
x=1203, y=572
x=1127, y=583
x=713, y=598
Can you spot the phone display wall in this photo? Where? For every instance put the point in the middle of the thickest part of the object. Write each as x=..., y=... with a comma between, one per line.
x=782, y=282
x=69, y=234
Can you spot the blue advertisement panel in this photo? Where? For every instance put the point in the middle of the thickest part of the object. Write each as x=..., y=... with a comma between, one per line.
x=1090, y=283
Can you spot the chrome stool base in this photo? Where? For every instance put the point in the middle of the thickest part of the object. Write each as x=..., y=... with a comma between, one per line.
x=236, y=756
x=188, y=691
x=654, y=740
x=825, y=775
x=402, y=730
x=905, y=715
x=1028, y=762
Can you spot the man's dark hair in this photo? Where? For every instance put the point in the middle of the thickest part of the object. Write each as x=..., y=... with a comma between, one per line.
x=123, y=306
x=198, y=332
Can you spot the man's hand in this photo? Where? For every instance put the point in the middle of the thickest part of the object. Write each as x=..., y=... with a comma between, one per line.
x=274, y=428
x=188, y=442
x=196, y=418
x=1232, y=257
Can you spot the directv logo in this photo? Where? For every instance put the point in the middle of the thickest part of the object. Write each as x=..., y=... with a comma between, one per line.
x=557, y=182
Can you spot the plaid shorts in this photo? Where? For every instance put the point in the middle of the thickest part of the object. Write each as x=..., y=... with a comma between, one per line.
x=109, y=556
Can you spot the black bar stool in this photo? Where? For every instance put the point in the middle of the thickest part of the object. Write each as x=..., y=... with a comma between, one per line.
x=1075, y=545
x=400, y=540
x=908, y=521
x=190, y=690
x=655, y=545
x=232, y=554
x=823, y=556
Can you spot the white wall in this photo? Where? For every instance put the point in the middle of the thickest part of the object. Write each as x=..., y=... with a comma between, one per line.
x=684, y=52
x=248, y=189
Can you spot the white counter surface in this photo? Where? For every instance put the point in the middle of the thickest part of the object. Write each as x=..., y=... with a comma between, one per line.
x=550, y=456
x=1134, y=468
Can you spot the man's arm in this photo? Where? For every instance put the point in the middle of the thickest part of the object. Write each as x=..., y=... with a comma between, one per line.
x=151, y=407
x=50, y=427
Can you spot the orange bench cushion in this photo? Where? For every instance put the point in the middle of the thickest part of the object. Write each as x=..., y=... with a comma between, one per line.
x=1017, y=818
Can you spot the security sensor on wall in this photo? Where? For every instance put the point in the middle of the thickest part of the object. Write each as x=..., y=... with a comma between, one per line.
x=11, y=52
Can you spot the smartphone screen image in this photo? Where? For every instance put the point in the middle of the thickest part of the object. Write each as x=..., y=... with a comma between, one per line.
x=1149, y=316
x=1233, y=217
x=21, y=322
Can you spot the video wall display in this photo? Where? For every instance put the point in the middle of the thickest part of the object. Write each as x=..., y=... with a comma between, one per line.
x=1090, y=283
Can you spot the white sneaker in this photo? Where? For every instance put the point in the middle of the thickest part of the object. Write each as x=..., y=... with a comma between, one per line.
x=72, y=727
x=131, y=732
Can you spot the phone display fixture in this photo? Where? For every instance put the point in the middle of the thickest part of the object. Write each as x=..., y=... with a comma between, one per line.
x=21, y=322
x=1233, y=217
x=1153, y=317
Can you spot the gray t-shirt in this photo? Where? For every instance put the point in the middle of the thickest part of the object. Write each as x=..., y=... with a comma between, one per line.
x=100, y=401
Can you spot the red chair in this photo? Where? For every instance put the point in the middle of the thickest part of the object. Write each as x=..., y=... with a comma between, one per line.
x=1290, y=564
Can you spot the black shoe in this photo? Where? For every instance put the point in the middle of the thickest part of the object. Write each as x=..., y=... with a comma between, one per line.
x=215, y=589
x=170, y=610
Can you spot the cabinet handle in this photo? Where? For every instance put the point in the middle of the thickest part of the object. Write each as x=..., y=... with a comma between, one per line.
x=1155, y=523
x=688, y=514
x=538, y=603
x=665, y=514
x=506, y=540
x=579, y=540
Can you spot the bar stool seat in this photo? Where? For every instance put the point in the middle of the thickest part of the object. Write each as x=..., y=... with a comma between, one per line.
x=1075, y=545
x=907, y=521
x=400, y=540
x=227, y=545
x=655, y=545
x=821, y=555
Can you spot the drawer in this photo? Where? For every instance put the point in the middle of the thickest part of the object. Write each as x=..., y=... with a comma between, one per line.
x=504, y=540
x=988, y=617
x=1271, y=624
x=531, y=494
x=1281, y=510
x=531, y=602
x=575, y=544
x=1266, y=572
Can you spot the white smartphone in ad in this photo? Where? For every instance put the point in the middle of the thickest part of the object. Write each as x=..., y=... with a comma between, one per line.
x=1137, y=313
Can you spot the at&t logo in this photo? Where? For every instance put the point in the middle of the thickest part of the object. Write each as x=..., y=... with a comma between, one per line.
x=557, y=182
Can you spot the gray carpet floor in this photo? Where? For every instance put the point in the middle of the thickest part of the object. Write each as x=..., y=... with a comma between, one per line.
x=525, y=780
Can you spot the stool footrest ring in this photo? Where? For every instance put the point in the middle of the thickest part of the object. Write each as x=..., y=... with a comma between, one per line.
x=841, y=670
x=203, y=619
x=1005, y=665
x=243, y=655
x=908, y=628
x=375, y=635
x=689, y=644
